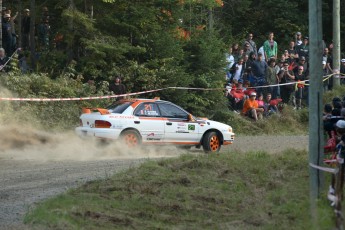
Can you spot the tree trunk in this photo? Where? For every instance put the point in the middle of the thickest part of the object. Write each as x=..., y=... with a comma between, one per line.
x=19, y=27
x=32, y=35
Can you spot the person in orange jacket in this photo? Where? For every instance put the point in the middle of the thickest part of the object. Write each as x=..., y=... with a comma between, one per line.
x=251, y=107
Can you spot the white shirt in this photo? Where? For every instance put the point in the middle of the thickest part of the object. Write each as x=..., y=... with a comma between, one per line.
x=238, y=72
x=230, y=60
x=261, y=50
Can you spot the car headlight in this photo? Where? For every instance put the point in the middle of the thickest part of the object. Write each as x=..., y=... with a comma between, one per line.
x=230, y=129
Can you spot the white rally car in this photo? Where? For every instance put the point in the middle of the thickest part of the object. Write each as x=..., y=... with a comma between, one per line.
x=154, y=121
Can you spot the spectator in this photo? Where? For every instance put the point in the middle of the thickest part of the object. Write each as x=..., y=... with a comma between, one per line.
x=259, y=68
x=246, y=49
x=117, y=88
x=342, y=71
x=13, y=30
x=251, y=59
x=4, y=61
x=270, y=47
x=236, y=51
x=261, y=50
x=260, y=100
x=269, y=106
x=326, y=117
x=45, y=14
x=237, y=70
x=271, y=77
x=287, y=90
x=251, y=107
x=230, y=60
x=251, y=43
x=303, y=49
x=292, y=51
x=26, y=30
x=246, y=63
x=302, y=62
x=327, y=68
x=298, y=38
x=43, y=34
x=7, y=37
x=299, y=77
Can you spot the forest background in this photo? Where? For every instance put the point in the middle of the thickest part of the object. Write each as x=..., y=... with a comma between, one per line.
x=151, y=44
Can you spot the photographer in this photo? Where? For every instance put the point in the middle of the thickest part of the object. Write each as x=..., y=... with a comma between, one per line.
x=287, y=76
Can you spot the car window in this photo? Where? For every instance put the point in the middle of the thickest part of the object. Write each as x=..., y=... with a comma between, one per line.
x=147, y=110
x=119, y=107
x=172, y=111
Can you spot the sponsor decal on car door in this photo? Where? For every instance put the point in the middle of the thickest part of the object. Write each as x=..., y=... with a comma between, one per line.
x=149, y=122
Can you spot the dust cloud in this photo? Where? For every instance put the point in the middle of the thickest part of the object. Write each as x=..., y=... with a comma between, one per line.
x=28, y=143
x=23, y=138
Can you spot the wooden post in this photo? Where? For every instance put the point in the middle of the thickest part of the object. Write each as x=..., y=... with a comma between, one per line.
x=315, y=103
x=336, y=42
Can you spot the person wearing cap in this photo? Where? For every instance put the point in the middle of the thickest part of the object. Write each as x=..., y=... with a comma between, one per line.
x=259, y=68
x=298, y=38
x=251, y=107
x=287, y=76
x=117, y=88
x=7, y=37
x=303, y=49
x=25, y=28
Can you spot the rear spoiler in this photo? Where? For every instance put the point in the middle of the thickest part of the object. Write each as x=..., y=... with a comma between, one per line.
x=101, y=111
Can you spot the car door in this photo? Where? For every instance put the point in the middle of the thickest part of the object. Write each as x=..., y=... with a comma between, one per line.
x=149, y=123
x=178, y=128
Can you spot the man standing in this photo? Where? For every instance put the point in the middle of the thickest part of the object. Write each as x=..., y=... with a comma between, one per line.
x=7, y=38
x=299, y=38
x=251, y=43
x=117, y=88
x=26, y=29
x=259, y=68
x=270, y=47
x=303, y=49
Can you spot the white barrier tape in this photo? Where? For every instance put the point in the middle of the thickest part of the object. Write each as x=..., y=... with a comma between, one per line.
x=99, y=97
x=132, y=94
x=325, y=169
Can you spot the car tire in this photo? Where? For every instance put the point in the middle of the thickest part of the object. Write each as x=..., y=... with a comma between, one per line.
x=211, y=142
x=131, y=138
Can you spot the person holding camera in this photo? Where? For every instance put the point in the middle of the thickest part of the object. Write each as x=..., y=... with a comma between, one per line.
x=287, y=90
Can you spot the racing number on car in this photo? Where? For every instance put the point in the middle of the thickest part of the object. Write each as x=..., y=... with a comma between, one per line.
x=148, y=107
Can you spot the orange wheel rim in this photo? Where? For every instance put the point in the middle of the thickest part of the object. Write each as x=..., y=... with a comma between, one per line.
x=214, y=143
x=131, y=140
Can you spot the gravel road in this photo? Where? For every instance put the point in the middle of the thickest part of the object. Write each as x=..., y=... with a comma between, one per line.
x=43, y=165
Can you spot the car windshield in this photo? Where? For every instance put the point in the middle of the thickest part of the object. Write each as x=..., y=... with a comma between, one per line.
x=119, y=107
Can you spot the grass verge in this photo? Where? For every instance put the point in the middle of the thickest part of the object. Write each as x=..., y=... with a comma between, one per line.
x=226, y=191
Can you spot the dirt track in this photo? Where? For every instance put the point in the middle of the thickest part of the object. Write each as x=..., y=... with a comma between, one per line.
x=37, y=170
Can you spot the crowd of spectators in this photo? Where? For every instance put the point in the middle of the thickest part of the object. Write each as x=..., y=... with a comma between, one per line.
x=13, y=41
x=261, y=69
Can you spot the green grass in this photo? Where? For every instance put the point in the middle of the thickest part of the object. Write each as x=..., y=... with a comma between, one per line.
x=225, y=191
